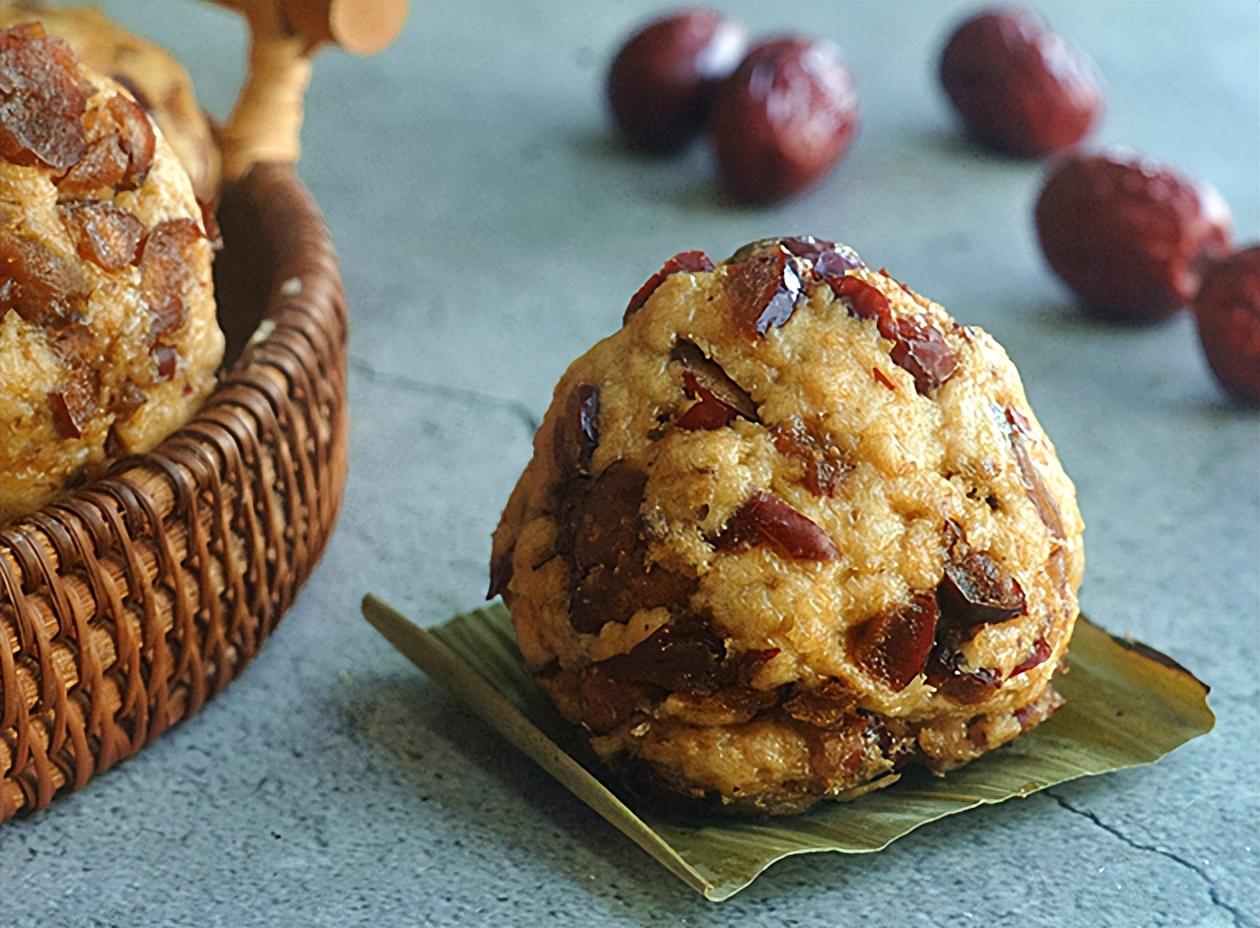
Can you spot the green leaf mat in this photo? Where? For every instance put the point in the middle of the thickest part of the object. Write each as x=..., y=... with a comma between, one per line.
x=1127, y=704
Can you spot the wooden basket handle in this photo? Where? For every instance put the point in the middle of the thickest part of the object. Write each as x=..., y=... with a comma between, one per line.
x=266, y=123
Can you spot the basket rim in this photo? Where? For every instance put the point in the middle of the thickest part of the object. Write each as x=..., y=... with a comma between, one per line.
x=129, y=601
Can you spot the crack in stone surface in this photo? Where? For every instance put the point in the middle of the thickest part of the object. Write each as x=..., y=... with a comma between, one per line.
x=1241, y=919
x=415, y=385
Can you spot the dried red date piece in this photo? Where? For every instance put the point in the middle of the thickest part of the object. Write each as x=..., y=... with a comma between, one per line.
x=767, y=519
x=1018, y=431
x=778, y=309
x=944, y=671
x=39, y=284
x=712, y=377
x=730, y=705
x=612, y=576
x=721, y=398
x=1040, y=653
x=894, y=645
x=684, y=261
x=708, y=414
x=615, y=592
x=749, y=663
x=971, y=687
x=577, y=431
x=919, y=348
x=827, y=258
x=765, y=289
x=1017, y=85
x=824, y=258
x=166, y=271
x=686, y=657
x=1130, y=237
x=599, y=598
x=607, y=702
x=65, y=418
x=734, y=701
x=42, y=99
x=103, y=165
x=125, y=119
x=866, y=301
x=1227, y=311
x=105, y=234
x=607, y=524
x=120, y=150
x=975, y=591
x=783, y=120
x=826, y=705
x=75, y=404
x=661, y=83
x=825, y=464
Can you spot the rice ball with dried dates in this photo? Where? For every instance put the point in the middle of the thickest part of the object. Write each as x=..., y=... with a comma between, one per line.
x=108, y=338
x=153, y=77
x=788, y=530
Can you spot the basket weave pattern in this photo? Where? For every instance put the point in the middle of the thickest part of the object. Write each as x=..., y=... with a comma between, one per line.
x=125, y=605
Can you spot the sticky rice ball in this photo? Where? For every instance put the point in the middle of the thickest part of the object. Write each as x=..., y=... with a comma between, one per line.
x=789, y=530
x=108, y=337
x=153, y=77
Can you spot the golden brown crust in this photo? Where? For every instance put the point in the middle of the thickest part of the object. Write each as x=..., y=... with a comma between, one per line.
x=792, y=514
x=108, y=338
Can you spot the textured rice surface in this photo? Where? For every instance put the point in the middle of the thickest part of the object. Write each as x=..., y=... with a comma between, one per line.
x=108, y=336
x=788, y=529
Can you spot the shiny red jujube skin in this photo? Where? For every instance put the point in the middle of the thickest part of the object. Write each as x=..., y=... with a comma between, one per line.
x=661, y=83
x=1017, y=85
x=1130, y=237
x=1228, y=313
x=783, y=120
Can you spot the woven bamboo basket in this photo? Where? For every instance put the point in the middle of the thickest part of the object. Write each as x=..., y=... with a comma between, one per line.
x=128, y=603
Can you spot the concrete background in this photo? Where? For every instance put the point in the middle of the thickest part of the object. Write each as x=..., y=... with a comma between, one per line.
x=490, y=230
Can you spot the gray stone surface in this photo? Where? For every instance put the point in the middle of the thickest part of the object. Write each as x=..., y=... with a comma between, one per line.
x=489, y=231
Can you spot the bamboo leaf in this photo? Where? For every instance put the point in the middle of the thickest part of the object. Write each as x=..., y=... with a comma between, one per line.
x=1127, y=705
